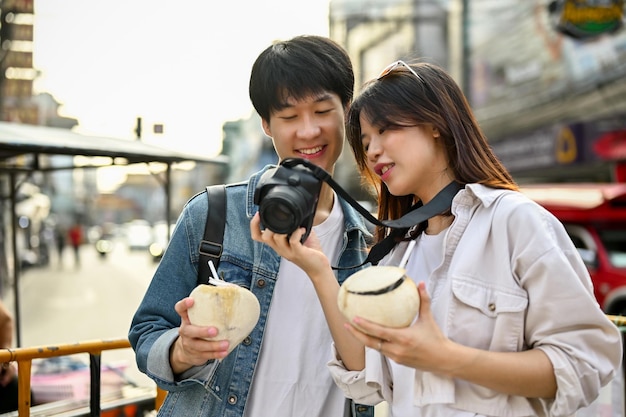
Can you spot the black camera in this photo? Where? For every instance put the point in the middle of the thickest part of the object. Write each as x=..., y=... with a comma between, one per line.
x=287, y=197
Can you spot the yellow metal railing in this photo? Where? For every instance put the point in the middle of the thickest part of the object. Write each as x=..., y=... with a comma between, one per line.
x=619, y=321
x=24, y=357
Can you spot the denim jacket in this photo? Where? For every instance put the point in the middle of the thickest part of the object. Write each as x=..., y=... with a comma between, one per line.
x=219, y=388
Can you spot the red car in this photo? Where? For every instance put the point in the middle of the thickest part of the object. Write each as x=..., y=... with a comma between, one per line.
x=594, y=215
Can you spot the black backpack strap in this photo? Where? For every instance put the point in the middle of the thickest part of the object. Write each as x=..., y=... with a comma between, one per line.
x=211, y=245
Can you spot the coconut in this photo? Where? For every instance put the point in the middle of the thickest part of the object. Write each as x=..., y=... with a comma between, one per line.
x=381, y=294
x=232, y=309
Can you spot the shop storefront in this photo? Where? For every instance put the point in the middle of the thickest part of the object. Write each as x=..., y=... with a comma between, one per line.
x=548, y=85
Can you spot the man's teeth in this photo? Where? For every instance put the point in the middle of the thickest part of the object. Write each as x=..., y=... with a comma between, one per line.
x=310, y=151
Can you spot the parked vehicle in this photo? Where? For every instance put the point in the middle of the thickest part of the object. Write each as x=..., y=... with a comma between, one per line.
x=161, y=235
x=138, y=234
x=594, y=215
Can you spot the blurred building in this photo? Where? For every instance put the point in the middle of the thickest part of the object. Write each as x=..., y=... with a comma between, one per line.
x=553, y=105
x=247, y=147
x=17, y=103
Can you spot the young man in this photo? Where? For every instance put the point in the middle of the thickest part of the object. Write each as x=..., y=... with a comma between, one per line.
x=301, y=88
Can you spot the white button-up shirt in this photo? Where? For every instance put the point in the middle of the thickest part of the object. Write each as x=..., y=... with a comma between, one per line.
x=510, y=280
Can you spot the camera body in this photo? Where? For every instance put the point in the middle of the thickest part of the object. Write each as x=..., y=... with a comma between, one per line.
x=287, y=197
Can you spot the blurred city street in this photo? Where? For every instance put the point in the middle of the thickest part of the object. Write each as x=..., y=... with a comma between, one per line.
x=64, y=303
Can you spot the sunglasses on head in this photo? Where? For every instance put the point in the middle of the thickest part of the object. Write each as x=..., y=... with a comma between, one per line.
x=391, y=67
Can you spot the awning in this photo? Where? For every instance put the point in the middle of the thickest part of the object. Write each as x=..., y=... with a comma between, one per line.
x=17, y=140
x=20, y=139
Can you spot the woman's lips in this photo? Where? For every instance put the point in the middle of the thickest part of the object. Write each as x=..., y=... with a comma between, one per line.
x=384, y=170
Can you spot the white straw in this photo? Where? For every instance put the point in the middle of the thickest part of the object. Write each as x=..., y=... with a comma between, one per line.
x=213, y=271
x=407, y=253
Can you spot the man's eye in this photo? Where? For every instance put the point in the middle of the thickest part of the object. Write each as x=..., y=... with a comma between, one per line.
x=325, y=111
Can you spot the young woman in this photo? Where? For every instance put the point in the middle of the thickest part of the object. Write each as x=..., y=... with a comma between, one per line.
x=508, y=323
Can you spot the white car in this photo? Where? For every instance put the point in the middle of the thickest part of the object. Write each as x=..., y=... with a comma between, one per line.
x=139, y=234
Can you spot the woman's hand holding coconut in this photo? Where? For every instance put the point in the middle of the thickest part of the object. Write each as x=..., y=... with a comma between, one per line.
x=421, y=345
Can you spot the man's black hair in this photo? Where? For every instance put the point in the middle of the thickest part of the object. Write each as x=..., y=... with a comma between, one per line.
x=302, y=66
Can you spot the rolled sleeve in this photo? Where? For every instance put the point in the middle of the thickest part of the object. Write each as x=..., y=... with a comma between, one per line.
x=160, y=370
x=579, y=381
x=584, y=347
x=365, y=386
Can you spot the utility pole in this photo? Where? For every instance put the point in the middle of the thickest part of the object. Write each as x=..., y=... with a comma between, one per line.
x=466, y=54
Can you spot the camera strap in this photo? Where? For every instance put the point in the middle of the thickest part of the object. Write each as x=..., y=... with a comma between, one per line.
x=421, y=213
x=418, y=214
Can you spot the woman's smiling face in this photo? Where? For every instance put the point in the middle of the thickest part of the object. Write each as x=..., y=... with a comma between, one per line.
x=408, y=159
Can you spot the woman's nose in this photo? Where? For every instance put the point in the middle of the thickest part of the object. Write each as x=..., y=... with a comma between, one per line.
x=373, y=150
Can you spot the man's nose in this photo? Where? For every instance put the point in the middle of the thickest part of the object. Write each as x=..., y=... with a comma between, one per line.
x=309, y=128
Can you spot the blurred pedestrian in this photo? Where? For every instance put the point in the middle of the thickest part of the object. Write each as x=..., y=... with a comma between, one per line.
x=59, y=240
x=75, y=235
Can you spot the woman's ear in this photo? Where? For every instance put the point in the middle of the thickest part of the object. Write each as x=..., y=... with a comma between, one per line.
x=436, y=133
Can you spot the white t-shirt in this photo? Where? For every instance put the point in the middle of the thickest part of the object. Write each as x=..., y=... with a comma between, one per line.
x=427, y=255
x=291, y=377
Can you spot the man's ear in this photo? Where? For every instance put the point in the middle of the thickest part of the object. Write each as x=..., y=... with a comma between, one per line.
x=346, y=109
x=266, y=127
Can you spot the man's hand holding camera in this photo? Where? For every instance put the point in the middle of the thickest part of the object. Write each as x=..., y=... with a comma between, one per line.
x=307, y=255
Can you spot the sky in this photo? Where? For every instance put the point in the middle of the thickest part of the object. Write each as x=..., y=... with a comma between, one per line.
x=184, y=63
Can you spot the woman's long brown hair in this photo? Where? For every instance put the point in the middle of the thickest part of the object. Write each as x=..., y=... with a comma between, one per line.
x=400, y=98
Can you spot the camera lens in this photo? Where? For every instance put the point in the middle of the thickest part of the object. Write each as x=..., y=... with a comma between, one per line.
x=282, y=210
x=283, y=214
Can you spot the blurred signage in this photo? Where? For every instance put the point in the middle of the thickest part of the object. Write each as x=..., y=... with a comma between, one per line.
x=562, y=145
x=531, y=63
x=530, y=151
x=584, y=19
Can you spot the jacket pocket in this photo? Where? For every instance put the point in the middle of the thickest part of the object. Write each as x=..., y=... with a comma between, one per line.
x=487, y=317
